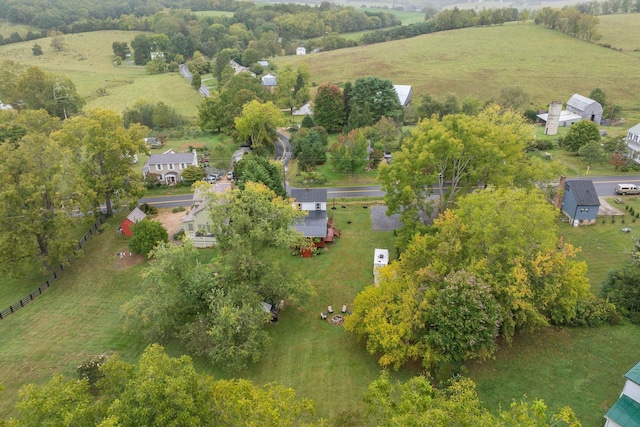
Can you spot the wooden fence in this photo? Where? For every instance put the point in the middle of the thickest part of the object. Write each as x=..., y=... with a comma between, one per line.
x=56, y=273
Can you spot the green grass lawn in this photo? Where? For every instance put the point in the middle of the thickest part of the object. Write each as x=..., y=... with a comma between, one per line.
x=80, y=316
x=7, y=28
x=506, y=55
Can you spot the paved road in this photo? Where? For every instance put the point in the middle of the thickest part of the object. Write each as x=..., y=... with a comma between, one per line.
x=604, y=187
x=283, y=148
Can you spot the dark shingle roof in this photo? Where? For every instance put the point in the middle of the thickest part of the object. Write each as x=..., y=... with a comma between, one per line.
x=584, y=192
x=313, y=225
x=625, y=412
x=309, y=194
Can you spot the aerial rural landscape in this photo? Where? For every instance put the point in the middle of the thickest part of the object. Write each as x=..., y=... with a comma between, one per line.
x=235, y=214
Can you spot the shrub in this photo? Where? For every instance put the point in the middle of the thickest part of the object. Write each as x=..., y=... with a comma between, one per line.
x=621, y=288
x=179, y=235
x=90, y=370
x=146, y=236
x=103, y=227
x=594, y=311
x=178, y=209
x=148, y=209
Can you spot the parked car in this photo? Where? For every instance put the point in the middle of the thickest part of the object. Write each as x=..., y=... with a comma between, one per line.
x=230, y=175
x=625, y=189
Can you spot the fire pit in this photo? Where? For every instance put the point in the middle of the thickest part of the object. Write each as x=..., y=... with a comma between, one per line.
x=336, y=320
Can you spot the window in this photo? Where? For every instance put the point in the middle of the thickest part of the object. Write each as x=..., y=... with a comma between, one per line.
x=300, y=206
x=318, y=206
x=160, y=177
x=182, y=166
x=171, y=166
x=158, y=167
x=190, y=226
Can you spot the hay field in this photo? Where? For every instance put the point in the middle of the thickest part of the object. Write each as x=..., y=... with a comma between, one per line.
x=479, y=61
x=88, y=63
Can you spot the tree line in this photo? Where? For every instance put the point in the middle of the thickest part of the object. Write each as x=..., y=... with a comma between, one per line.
x=161, y=390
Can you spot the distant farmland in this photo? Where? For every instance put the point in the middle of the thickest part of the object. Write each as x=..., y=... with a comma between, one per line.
x=480, y=61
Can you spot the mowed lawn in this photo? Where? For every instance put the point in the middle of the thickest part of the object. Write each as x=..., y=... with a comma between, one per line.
x=480, y=61
x=80, y=316
x=87, y=61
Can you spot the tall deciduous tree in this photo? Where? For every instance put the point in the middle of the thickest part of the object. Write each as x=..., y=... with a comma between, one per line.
x=350, y=151
x=378, y=95
x=211, y=113
x=328, y=108
x=456, y=154
x=580, y=134
x=258, y=123
x=36, y=200
x=104, y=151
x=503, y=281
x=216, y=309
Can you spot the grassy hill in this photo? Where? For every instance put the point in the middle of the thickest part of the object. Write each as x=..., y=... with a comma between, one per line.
x=88, y=63
x=479, y=61
x=621, y=31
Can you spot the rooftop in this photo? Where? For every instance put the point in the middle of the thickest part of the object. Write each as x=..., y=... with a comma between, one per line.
x=584, y=192
x=309, y=194
x=625, y=412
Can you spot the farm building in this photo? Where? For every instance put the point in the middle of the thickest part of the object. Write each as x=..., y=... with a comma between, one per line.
x=626, y=411
x=269, y=81
x=566, y=119
x=380, y=259
x=585, y=107
x=580, y=202
x=301, y=51
x=127, y=224
x=633, y=143
x=405, y=94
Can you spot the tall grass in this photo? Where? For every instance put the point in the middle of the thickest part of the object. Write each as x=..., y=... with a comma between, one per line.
x=480, y=61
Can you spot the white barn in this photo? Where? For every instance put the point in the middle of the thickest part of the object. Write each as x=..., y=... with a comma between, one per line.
x=585, y=107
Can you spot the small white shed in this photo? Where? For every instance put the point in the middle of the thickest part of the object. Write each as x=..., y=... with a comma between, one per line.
x=380, y=259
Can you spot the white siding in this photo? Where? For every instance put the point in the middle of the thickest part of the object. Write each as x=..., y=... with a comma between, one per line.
x=632, y=390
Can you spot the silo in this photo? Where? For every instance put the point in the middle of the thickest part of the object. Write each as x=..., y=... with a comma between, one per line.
x=553, y=118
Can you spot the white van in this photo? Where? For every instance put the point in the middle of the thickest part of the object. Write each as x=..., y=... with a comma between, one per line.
x=625, y=189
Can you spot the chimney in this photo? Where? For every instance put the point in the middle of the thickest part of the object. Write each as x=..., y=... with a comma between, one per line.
x=560, y=192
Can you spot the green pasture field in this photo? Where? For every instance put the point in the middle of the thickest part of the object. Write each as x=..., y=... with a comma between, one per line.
x=88, y=63
x=406, y=18
x=480, y=61
x=205, y=13
x=7, y=28
x=621, y=31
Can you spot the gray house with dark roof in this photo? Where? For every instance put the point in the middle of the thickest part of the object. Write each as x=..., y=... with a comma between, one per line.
x=168, y=166
x=626, y=411
x=580, y=202
x=313, y=201
x=585, y=107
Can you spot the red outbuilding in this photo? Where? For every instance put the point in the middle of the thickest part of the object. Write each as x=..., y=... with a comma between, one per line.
x=127, y=224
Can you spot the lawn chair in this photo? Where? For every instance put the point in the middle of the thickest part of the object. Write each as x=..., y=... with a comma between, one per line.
x=323, y=316
x=344, y=309
x=330, y=309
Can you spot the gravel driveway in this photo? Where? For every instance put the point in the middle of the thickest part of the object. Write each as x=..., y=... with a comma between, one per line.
x=381, y=222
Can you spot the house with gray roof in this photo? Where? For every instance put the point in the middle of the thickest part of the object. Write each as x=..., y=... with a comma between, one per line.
x=633, y=143
x=626, y=411
x=585, y=107
x=169, y=165
x=314, y=202
x=580, y=202
x=269, y=81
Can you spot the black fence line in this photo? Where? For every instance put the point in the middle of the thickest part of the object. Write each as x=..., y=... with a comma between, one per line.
x=56, y=273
